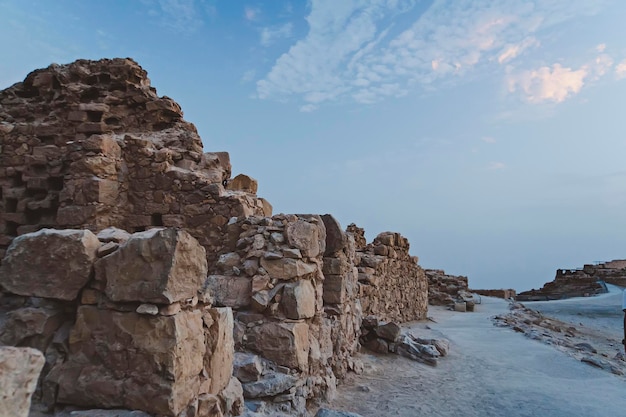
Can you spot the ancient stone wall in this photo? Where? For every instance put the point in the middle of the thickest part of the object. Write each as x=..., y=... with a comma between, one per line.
x=122, y=320
x=445, y=289
x=91, y=145
x=393, y=287
x=272, y=275
x=585, y=281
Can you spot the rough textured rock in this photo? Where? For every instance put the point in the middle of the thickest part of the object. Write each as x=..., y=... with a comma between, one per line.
x=218, y=361
x=270, y=385
x=298, y=300
x=155, y=266
x=133, y=361
x=19, y=370
x=229, y=291
x=286, y=344
x=49, y=263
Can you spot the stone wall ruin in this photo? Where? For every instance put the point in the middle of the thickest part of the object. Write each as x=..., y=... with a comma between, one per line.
x=142, y=270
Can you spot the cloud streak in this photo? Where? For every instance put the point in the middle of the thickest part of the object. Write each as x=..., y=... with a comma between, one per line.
x=269, y=35
x=366, y=51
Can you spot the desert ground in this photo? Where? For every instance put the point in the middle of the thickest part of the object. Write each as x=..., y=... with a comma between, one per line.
x=494, y=370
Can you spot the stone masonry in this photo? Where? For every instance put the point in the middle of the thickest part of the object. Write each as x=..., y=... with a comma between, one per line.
x=392, y=285
x=153, y=281
x=91, y=145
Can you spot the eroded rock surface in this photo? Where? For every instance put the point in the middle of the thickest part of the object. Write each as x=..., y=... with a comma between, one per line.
x=19, y=370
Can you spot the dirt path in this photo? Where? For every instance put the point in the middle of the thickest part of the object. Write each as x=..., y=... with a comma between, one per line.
x=491, y=371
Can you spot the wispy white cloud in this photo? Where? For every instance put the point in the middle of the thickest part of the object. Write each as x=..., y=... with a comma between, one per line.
x=620, y=70
x=251, y=13
x=512, y=51
x=362, y=50
x=269, y=35
x=488, y=139
x=601, y=47
x=180, y=15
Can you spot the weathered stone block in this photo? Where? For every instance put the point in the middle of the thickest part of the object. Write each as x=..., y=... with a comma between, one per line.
x=336, y=238
x=287, y=268
x=155, y=266
x=298, y=301
x=34, y=325
x=305, y=236
x=19, y=370
x=133, y=361
x=334, y=289
x=243, y=182
x=229, y=290
x=247, y=367
x=286, y=344
x=220, y=347
x=49, y=263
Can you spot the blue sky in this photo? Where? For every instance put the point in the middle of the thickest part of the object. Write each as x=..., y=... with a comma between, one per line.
x=490, y=133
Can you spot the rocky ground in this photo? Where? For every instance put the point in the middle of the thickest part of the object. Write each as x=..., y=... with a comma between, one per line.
x=493, y=370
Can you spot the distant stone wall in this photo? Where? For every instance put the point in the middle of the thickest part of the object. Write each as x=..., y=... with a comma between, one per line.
x=581, y=282
x=445, y=289
x=502, y=293
x=393, y=287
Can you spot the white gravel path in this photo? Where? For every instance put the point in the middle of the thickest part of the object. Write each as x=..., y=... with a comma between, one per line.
x=491, y=371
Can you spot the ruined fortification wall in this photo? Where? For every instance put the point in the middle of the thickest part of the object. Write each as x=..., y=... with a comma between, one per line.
x=581, y=282
x=393, y=287
x=91, y=145
x=445, y=289
x=276, y=301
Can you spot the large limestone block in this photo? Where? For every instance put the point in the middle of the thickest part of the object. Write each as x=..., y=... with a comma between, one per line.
x=19, y=370
x=133, y=361
x=49, y=263
x=286, y=344
x=287, y=268
x=307, y=237
x=218, y=361
x=155, y=266
x=298, y=300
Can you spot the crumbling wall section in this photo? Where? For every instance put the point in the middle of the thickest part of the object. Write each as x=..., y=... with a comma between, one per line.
x=91, y=145
x=445, y=289
x=393, y=287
